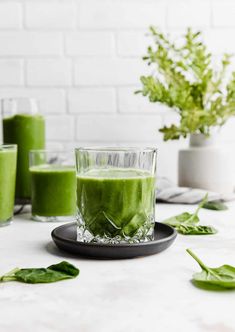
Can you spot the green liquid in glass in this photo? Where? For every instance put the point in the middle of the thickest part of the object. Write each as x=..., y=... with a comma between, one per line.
x=53, y=190
x=116, y=202
x=7, y=183
x=28, y=132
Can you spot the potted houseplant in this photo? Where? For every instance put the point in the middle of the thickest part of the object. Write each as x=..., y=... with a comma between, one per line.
x=203, y=96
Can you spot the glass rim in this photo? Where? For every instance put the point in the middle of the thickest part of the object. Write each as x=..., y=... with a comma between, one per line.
x=8, y=146
x=116, y=149
x=11, y=106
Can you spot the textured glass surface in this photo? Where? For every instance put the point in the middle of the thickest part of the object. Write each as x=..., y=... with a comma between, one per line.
x=115, y=195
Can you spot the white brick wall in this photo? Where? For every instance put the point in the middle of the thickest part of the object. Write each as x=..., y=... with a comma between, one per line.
x=82, y=60
x=51, y=101
x=182, y=14
x=60, y=128
x=10, y=15
x=132, y=43
x=89, y=43
x=130, y=102
x=107, y=71
x=28, y=43
x=118, y=128
x=92, y=100
x=106, y=14
x=11, y=72
x=50, y=15
x=223, y=13
x=48, y=72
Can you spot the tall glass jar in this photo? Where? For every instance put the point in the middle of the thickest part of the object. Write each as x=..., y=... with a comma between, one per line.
x=24, y=126
x=8, y=155
x=115, y=194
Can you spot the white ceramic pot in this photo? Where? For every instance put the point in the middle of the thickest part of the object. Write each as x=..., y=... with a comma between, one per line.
x=206, y=165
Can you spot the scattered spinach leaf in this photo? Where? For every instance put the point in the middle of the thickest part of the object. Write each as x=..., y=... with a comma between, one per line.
x=66, y=268
x=222, y=277
x=185, y=217
x=52, y=273
x=195, y=230
x=215, y=205
x=187, y=223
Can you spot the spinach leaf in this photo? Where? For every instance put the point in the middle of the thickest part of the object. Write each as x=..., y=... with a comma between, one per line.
x=222, y=277
x=195, y=230
x=215, y=205
x=65, y=267
x=186, y=223
x=52, y=273
x=185, y=217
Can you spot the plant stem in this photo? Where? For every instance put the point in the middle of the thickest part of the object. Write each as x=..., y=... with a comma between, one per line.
x=203, y=266
x=204, y=200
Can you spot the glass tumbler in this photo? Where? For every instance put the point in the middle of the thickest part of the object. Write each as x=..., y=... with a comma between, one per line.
x=23, y=125
x=53, y=186
x=8, y=155
x=115, y=194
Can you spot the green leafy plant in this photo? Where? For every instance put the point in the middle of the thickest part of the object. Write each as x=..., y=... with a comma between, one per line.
x=185, y=80
x=215, y=205
x=52, y=273
x=187, y=223
x=222, y=277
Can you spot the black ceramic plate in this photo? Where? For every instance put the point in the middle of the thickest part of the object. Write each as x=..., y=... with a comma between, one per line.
x=65, y=238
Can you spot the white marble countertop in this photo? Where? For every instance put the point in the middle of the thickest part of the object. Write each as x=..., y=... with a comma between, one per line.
x=152, y=293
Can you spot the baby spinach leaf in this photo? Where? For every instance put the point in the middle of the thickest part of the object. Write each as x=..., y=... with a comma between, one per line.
x=52, y=273
x=221, y=277
x=184, y=217
x=65, y=267
x=42, y=275
x=195, y=230
x=186, y=223
x=215, y=205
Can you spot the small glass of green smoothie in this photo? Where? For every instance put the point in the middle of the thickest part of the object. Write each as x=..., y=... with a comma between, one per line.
x=53, y=185
x=115, y=194
x=8, y=155
x=25, y=126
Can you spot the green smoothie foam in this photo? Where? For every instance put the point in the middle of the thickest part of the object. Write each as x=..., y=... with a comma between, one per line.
x=28, y=132
x=7, y=183
x=116, y=202
x=53, y=190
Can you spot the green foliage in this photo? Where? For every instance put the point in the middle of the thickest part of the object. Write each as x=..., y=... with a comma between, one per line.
x=186, y=81
x=186, y=223
x=53, y=273
x=215, y=205
x=222, y=277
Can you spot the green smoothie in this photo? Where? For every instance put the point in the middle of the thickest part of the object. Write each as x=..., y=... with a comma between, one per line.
x=116, y=202
x=28, y=132
x=53, y=190
x=7, y=182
